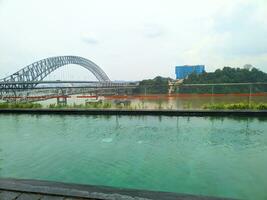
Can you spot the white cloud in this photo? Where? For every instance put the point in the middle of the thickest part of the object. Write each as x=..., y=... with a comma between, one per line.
x=153, y=31
x=89, y=38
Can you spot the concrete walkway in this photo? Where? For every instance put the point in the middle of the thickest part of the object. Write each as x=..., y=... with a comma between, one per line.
x=9, y=195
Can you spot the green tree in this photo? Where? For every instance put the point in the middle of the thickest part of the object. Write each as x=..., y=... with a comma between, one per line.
x=227, y=75
x=158, y=85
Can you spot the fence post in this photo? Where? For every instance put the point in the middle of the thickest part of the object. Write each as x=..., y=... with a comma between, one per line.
x=15, y=96
x=212, y=94
x=250, y=94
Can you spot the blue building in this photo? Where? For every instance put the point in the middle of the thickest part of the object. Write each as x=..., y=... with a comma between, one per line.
x=183, y=71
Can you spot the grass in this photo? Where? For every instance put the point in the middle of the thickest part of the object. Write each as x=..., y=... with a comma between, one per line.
x=20, y=105
x=236, y=106
x=107, y=105
x=99, y=105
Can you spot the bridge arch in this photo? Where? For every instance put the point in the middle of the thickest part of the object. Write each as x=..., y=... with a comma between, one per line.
x=37, y=71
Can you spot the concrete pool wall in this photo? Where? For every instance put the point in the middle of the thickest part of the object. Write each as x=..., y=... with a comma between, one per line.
x=246, y=113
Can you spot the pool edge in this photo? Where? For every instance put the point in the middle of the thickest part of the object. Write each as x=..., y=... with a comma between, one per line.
x=90, y=191
x=247, y=113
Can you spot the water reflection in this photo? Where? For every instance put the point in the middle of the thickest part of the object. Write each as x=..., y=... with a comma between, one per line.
x=117, y=122
x=1, y=160
x=237, y=136
x=237, y=119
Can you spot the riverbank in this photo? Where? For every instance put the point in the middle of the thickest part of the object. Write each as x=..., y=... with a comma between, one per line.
x=252, y=113
x=143, y=105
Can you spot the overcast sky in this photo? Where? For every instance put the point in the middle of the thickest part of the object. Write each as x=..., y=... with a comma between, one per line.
x=134, y=39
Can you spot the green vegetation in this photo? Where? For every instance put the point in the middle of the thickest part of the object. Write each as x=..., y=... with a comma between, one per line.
x=99, y=105
x=158, y=85
x=236, y=106
x=20, y=105
x=226, y=75
x=107, y=105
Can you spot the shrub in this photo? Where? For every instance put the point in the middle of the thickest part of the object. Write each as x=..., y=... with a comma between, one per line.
x=20, y=105
x=236, y=106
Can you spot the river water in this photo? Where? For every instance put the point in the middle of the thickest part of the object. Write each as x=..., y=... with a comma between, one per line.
x=165, y=102
x=225, y=157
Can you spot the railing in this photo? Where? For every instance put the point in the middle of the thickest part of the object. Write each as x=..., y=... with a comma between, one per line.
x=28, y=90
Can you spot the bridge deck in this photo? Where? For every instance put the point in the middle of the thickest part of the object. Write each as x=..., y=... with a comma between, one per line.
x=14, y=189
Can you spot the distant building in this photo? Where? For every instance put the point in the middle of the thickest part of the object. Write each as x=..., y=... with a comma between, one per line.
x=183, y=71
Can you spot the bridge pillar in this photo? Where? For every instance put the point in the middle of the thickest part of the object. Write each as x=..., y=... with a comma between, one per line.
x=62, y=100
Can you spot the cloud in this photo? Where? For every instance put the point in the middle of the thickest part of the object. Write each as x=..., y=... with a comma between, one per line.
x=235, y=37
x=1, y=2
x=89, y=38
x=243, y=32
x=153, y=31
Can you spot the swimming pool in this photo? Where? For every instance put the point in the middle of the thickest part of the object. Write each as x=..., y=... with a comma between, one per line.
x=225, y=157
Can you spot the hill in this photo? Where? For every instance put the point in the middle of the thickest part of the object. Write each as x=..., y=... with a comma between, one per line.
x=159, y=85
x=228, y=75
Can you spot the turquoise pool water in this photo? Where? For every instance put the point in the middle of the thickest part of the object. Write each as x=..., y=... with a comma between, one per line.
x=224, y=157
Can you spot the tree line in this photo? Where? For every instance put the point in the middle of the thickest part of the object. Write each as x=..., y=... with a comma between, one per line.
x=160, y=85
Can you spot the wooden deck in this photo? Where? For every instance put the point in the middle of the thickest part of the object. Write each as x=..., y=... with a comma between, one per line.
x=16, y=189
